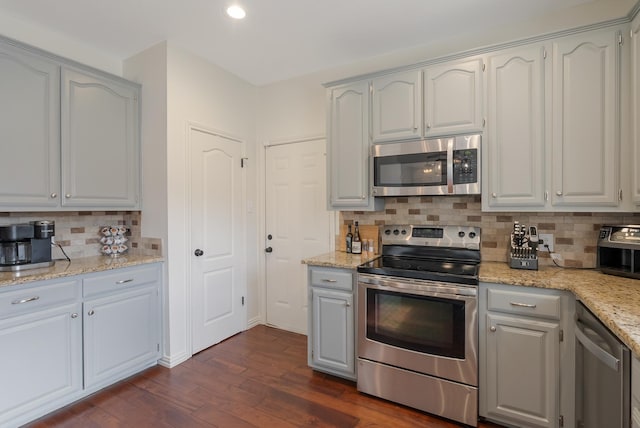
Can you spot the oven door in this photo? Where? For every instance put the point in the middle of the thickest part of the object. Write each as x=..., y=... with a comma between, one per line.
x=412, y=168
x=423, y=326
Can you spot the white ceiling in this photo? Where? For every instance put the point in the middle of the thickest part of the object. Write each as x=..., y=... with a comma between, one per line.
x=279, y=39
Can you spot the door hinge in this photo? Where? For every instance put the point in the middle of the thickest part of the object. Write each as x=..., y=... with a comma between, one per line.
x=242, y=300
x=561, y=421
x=561, y=335
x=243, y=162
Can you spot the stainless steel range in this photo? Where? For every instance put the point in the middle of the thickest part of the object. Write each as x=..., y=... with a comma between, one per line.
x=418, y=320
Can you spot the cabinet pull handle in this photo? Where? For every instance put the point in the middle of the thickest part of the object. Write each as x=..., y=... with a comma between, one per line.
x=68, y=195
x=27, y=300
x=492, y=328
x=74, y=315
x=54, y=195
x=347, y=304
x=91, y=312
x=522, y=305
x=124, y=281
x=330, y=280
x=559, y=193
x=494, y=195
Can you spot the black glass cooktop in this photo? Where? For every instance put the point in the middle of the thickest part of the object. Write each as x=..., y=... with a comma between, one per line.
x=454, y=266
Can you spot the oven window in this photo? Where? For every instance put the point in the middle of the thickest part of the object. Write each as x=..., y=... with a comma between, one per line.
x=423, y=169
x=424, y=324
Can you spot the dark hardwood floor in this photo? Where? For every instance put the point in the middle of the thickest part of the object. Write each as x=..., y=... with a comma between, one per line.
x=258, y=378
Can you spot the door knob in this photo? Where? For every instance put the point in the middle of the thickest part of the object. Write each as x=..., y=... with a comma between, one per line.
x=268, y=250
x=198, y=252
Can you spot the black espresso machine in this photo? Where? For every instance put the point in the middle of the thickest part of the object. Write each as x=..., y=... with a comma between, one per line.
x=26, y=246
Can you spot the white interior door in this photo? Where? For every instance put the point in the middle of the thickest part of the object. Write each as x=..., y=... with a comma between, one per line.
x=298, y=225
x=217, y=239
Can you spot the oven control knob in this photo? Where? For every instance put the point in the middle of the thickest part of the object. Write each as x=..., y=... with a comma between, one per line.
x=387, y=232
x=396, y=232
x=404, y=232
x=461, y=234
x=472, y=235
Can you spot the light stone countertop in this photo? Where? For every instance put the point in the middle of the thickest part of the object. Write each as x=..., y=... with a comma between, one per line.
x=613, y=299
x=77, y=266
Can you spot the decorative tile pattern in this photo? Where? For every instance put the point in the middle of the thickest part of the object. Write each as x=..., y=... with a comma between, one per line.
x=575, y=234
x=79, y=231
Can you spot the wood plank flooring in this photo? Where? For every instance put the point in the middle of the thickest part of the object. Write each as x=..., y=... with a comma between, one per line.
x=258, y=378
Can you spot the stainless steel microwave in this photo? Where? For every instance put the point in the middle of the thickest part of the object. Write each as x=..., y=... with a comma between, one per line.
x=440, y=166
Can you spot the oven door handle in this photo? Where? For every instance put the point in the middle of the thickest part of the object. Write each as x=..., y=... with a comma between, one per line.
x=450, y=166
x=426, y=288
x=593, y=348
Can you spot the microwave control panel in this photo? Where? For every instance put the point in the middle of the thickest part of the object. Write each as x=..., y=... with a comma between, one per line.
x=465, y=166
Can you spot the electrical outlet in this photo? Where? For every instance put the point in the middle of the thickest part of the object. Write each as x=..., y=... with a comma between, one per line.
x=547, y=239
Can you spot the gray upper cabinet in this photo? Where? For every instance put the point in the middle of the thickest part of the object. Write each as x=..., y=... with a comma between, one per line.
x=586, y=125
x=635, y=106
x=29, y=130
x=514, y=147
x=69, y=137
x=397, y=106
x=453, y=97
x=348, y=149
x=100, y=141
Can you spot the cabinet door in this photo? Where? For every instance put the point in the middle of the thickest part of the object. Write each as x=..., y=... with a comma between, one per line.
x=515, y=142
x=586, y=120
x=635, y=107
x=522, y=363
x=100, y=143
x=120, y=334
x=348, y=148
x=397, y=106
x=453, y=97
x=332, y=331
x=40, y=361
x=29, y=130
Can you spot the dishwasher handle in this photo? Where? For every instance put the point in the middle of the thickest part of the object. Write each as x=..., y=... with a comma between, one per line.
x=605, y=357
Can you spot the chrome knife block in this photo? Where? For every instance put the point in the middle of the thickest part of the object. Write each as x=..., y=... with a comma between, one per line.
x=523, y=249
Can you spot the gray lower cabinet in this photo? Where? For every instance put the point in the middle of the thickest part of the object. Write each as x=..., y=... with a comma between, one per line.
x=64, y=339
x=635, y=392
x=526, y=369
x=331, y=341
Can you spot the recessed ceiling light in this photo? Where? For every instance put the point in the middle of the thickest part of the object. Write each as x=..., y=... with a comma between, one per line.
x=236, y=12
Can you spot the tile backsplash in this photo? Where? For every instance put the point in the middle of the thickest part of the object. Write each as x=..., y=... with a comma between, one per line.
x=575, y=234
x=79, y=231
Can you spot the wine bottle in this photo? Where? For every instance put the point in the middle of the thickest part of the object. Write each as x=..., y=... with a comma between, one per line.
x=349, y=239
x=356, y=245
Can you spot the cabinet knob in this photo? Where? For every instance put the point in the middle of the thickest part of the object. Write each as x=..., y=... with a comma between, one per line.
x=347, y=304
x=493, y=195
x=428, y=126
x=198, y=252
x=54, y=195
x=68, y=195
x=91, y=312
x=74, y=315
x=492, y=328
x=559, y=193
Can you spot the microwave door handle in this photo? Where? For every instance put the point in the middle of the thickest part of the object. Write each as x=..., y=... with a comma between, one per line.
x=450, y=166
x=605, y=357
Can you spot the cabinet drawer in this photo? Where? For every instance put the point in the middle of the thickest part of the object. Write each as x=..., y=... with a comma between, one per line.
x=332, y=278
x=523, y=303
x=120, y=279
x=31, y=298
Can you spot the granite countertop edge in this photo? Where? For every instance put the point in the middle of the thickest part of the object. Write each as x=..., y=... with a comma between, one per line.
x=614, y=300
x=77, y=266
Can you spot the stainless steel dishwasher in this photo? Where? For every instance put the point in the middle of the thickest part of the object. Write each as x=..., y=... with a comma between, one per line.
x=603, y=375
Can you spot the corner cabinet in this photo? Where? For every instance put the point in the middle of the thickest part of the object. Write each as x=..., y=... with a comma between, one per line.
x=100, y=141
x=64, y=339
x=526, y=369
x=348, y=163
x=453, y=97
x=69, y=136
x=331, y=342
x=635, y=107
